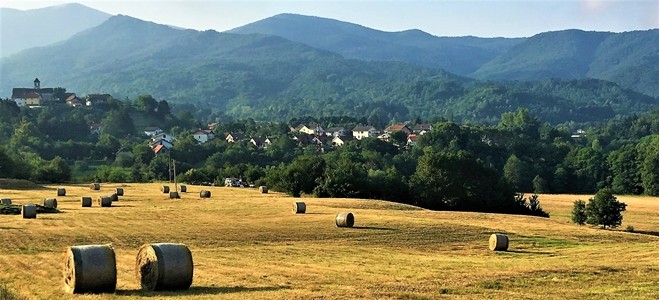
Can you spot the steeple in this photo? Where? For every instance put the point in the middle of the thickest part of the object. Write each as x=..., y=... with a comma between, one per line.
x=37, y=84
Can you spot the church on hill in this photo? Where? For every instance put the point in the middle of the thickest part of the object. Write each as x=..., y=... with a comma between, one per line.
x=32, y=96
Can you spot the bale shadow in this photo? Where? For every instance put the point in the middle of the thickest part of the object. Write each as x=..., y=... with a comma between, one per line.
x=527, y=252
x=374, y=228
x=201, y=290
x=316, y=213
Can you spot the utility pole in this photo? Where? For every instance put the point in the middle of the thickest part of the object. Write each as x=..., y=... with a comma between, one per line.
x=175, y=185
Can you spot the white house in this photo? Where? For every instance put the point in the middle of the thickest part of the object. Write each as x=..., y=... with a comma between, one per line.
x=152, y=131
x=339, y=141
x=203, y=135
x=314, y=129
x=336, y=131
x=361, y=132
x=163, y=136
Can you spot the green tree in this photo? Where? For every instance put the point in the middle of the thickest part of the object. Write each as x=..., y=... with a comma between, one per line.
x=515, y=171
x=579, y=212
x=399, y=138
x=345, y=179
x=146, y=103
x=540, y=185
x=650, y=164
x=605, y=209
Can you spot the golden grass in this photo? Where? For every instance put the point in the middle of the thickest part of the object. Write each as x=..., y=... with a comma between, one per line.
x=248, y=245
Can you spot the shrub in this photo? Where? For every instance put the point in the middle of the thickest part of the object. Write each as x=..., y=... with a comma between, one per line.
x=579, y=212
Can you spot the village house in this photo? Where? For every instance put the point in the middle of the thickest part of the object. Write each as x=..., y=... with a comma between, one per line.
x=98, y=99
x=161, y=142
x=260, y=142
x=95, y=128
x=314, y=129
x=421, y=129
x=361, y=132
x=385, y=137
x=321, y=140
x=163, y=136
x=412, y=139
x=339, y=141
x=73, y=100
x=336, y=131
x=152, y=131
x=203, y=135
x=234, y=137
x=398, y=127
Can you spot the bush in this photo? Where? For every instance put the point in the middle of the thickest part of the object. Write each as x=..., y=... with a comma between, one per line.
x=579, y=212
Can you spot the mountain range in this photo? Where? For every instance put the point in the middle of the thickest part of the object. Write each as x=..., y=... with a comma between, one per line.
x=23, y=29
x=253, y=71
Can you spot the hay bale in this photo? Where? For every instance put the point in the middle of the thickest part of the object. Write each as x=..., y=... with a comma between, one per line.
x=164, y=266
x=119, y=191
x=104, y=201
x=61, y=192
x=499, y=242
x=114, y=197
x=205, y=194
x=164, y=189
x=86, y=201
x=90, y=269
x=345, y=219
x=184, y=189
x=29, y=211
x=95, y=186
x=299, y=208
x=50, y=203
x=5, y=201
x=263, y=189
x=174, y=195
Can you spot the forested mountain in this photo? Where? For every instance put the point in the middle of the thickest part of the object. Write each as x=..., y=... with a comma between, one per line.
x=630, y=59
x=268, y=78
x=20, y=30
x=459, y=55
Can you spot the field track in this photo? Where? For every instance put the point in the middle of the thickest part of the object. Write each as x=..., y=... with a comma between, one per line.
x=248, y=245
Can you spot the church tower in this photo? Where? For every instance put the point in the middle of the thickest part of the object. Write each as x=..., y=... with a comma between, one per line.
x=37, y=84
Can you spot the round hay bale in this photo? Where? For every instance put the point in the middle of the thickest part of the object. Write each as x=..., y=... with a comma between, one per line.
x=299, y=208
x=164, y=266
x=29, y=211
x=345, y=219
x=95, y=186
x=205, y=194
x=164, y=189
x=184, y=189
x=119, y=191
x=90, y=269
x=263, y=189
x=114, y=197
x=61, y=192
x=499, y=242
x=50, y=203
x=104, y=201
x=174, y=195
x=86, y=201
x=5, y=201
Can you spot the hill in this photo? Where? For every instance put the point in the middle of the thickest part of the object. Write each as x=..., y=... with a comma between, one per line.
x=247, y=245
x=271, y=78
x=630, y=59
x=459, y=55
x=20, y=30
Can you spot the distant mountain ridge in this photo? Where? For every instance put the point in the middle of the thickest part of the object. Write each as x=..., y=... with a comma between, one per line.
x=628, y=58
x=271, y=78
x=20, y=30
x=459, y=55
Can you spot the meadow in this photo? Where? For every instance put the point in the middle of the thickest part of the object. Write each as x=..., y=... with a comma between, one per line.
x=248, y=245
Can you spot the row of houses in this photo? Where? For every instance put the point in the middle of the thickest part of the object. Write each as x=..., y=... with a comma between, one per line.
x=360, y=132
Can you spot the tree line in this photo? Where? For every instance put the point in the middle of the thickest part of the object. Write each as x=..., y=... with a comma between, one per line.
x=454, y=166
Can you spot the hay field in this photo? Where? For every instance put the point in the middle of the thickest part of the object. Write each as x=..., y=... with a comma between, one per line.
x=248, y=245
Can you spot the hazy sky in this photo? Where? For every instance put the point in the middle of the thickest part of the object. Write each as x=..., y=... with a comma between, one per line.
x=484, y=18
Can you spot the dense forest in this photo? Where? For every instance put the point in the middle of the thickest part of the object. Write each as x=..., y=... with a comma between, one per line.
x=453, y=166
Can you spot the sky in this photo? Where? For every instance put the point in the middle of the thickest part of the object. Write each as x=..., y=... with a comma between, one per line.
x=483, y=18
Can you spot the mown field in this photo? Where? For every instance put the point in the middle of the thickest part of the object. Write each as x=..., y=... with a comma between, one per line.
x=248, y=245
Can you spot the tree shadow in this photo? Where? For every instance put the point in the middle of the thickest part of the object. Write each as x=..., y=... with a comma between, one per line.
x=374, y=228
x=201, y=290
x=646, y=232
